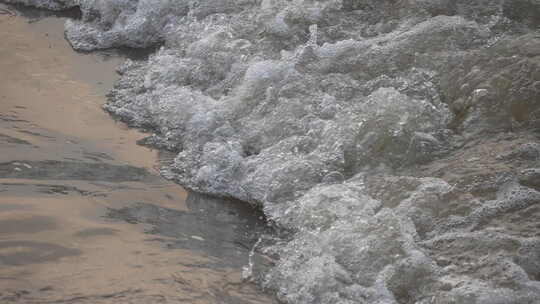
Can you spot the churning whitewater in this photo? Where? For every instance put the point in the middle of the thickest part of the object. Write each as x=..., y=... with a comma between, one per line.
x=396, y=140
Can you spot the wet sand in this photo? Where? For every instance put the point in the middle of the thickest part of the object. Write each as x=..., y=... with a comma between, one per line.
x=84, y=215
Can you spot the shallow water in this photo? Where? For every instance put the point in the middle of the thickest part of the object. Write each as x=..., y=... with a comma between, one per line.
x=84, y=215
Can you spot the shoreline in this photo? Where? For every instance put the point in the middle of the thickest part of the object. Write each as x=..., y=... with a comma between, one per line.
x=83, y=211
x=393, y=139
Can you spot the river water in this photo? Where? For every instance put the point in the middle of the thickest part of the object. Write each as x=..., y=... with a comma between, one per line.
x=84, y=215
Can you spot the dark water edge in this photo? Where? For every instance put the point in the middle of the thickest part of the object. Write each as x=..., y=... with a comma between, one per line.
x=35, y=14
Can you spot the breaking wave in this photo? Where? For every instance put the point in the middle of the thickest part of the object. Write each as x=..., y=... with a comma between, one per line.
x=397, y=140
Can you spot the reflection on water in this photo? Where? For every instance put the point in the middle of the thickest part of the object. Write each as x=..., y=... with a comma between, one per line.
x=84, y=216
x=26, y=224
x=21, y=253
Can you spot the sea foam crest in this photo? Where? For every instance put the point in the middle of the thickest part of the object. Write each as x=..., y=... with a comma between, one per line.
x=394, y=140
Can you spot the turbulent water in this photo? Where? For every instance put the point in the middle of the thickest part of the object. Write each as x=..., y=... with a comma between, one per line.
x=397, y=140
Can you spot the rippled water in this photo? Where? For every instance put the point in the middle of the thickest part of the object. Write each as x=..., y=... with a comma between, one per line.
x=84, y=215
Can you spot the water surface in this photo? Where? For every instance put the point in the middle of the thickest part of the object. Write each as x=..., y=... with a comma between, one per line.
x=84, y=215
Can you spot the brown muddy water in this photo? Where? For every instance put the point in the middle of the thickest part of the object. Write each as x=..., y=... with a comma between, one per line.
x=84, y=215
